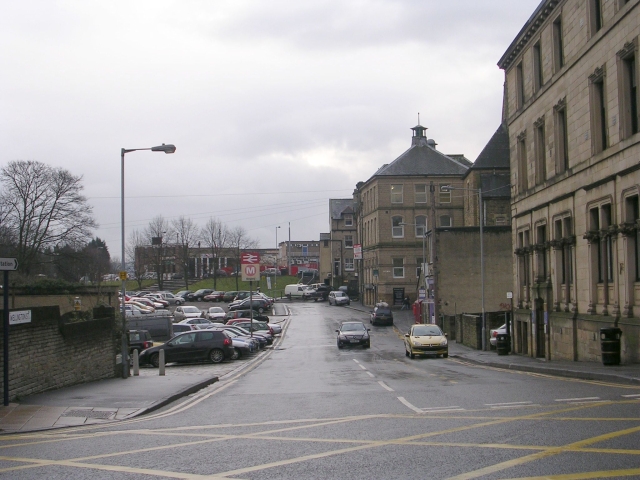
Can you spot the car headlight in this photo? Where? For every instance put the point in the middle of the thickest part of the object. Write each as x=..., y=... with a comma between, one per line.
x=443, y=342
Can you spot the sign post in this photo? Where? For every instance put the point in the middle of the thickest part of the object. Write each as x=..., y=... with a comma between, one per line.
x=250, y=264
x=6, y=265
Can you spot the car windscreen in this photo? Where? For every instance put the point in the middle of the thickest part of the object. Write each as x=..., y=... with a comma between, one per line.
x=426, y=330
x=190, y=310
x=352, y=327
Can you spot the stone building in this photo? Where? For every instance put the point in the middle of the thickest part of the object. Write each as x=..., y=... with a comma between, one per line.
x=571, y=78
x=393, y=208
x=300, y=255
x=338, y=245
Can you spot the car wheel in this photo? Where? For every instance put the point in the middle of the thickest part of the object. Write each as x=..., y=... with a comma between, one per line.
x=178, y=302
x=236, y=354
x=260, y=310
x=445, y=355
x=154, y=360
x=367, y=345
x=339, y=345
x=216, y=355
x=406, y=352
x=412, y=355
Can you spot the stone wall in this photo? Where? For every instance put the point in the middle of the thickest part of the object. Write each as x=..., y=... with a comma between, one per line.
x=49, y=353
x=90, y=297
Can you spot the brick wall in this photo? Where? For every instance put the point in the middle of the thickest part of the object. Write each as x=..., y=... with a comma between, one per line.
x=48, y=353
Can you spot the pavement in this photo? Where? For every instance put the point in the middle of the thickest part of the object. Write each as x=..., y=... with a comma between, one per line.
x=117, y=399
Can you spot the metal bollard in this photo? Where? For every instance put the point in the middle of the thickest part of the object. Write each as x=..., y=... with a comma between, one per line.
x=136, y=363
x=161, y=363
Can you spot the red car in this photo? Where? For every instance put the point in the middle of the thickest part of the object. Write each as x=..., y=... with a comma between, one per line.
x=214, y=297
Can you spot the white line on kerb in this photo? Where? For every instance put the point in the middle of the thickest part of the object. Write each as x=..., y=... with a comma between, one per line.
x=370, y=374
x=503, y=404
x=632, y=396
x=385, y=386
x=412, y=407
x=575, y=399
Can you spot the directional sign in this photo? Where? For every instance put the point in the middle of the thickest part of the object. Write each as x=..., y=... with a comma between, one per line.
x=250, y=258
x=8, y=263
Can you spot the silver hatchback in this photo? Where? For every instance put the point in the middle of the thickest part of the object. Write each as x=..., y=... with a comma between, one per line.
x=339, y=298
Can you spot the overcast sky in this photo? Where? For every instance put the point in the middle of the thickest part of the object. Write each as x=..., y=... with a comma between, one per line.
x=274, y=106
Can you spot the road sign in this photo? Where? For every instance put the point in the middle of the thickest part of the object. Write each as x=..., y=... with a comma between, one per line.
x=250, y=258
x=123, y=276
x=8, y=263
x=250, y=272
x=357, y=251
x=23, y=316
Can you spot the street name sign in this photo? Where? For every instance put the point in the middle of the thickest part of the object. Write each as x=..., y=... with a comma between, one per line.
x=8, y=264
x=23, y=316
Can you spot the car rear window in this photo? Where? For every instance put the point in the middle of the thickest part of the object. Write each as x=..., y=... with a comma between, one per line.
x=383, y=311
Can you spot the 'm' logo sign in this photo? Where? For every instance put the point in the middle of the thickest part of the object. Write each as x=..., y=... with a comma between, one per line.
x=250, y=270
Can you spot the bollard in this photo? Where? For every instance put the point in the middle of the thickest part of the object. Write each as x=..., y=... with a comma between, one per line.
x=136, y=363
x=161, y=363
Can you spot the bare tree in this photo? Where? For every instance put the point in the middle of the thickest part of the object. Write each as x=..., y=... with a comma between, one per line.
x=136, y=253
x=215, y=237
x=43, y=207
x=239, y=241
x=158, y=228
x=187, y=233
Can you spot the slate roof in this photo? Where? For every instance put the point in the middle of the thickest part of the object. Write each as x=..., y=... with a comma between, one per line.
x=495, y=154
x=422, y=159
x=340, y=206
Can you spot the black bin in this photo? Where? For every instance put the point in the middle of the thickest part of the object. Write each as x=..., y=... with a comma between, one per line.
x=503, y=344
x=610, y=345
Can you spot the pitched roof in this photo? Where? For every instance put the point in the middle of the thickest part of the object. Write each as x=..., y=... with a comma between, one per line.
x=495, y=154
x=423, y=159
x=340, y=206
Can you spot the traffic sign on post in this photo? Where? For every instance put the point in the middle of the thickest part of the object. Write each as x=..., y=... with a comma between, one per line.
x=8, y=264
x=250, y=263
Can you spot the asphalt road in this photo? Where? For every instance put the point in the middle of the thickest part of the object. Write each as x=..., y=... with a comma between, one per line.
x=309, y=410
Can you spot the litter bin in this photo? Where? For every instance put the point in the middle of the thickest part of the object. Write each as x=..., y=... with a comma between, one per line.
x=503, y=344
x=610, y=345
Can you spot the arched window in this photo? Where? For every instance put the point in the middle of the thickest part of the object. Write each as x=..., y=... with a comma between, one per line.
x=397, y=228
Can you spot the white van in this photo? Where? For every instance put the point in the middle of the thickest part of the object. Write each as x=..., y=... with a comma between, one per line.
x=294, y=291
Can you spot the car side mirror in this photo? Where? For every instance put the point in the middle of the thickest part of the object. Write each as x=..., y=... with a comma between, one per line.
x=406, y=335
x=368, y=329
x=337, y=331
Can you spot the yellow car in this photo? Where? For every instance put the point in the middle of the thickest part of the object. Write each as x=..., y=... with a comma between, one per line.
x=425, y=339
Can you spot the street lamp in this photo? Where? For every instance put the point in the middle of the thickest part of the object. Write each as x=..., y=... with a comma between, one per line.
x=275, y=274
x=481, y=213
x=123, y=273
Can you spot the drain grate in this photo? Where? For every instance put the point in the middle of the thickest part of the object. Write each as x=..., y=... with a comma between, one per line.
x=89, y=414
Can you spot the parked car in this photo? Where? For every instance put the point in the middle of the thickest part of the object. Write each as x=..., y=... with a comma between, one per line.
x=259, y=327
x=257, y=304
x=177, y=276
x=183, y=294
x=353, y=334
x=198, y=295
x=257, y=337
x=157, y=298
x=243, y=346
x=493, y=335
x=216, y=296
x=212, y=345
x=182, y=327
x=319, y=293
x=425, y=339
x=245, y=314
x=241, y=295
x=269, y=272
x=170, y=298
x=215, y=314
x=229, y=296
x=146, y=302
x=198, y=322
x=183, y=312
x=139, y=340
x=338, y=297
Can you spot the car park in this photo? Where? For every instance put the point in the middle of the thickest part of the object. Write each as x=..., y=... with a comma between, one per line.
x=242, y=346
x=259, y=327
x=182, y=327
x=184, y=312
x=157, y=299
x=169, y=297
x=257, y=304
x=183, y=294
x=493, y=335
x=146, y=302
x=425, y=339
x=212, y=345
x=215, y=296
x=261, y=339
x=353, y=334
x=381, y=315
x=198, y=322
x=245, y=314
x=215, y=314
x=338, y=297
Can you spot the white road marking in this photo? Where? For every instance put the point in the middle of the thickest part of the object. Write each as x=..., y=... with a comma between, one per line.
x=575, y=399
x=356, y=361
x=431, y=409
x=635, y=395
x=370, y=374
x=412, y=407
x=362, y=367
x=385, y=386
x=503, y=404
x=515, y=406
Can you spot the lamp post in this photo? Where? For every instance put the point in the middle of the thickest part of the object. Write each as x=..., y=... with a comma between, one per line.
x=123, y=273
x=481, y=219
x=275, y=273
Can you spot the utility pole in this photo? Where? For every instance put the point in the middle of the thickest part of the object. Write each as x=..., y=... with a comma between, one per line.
x=434, y=254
